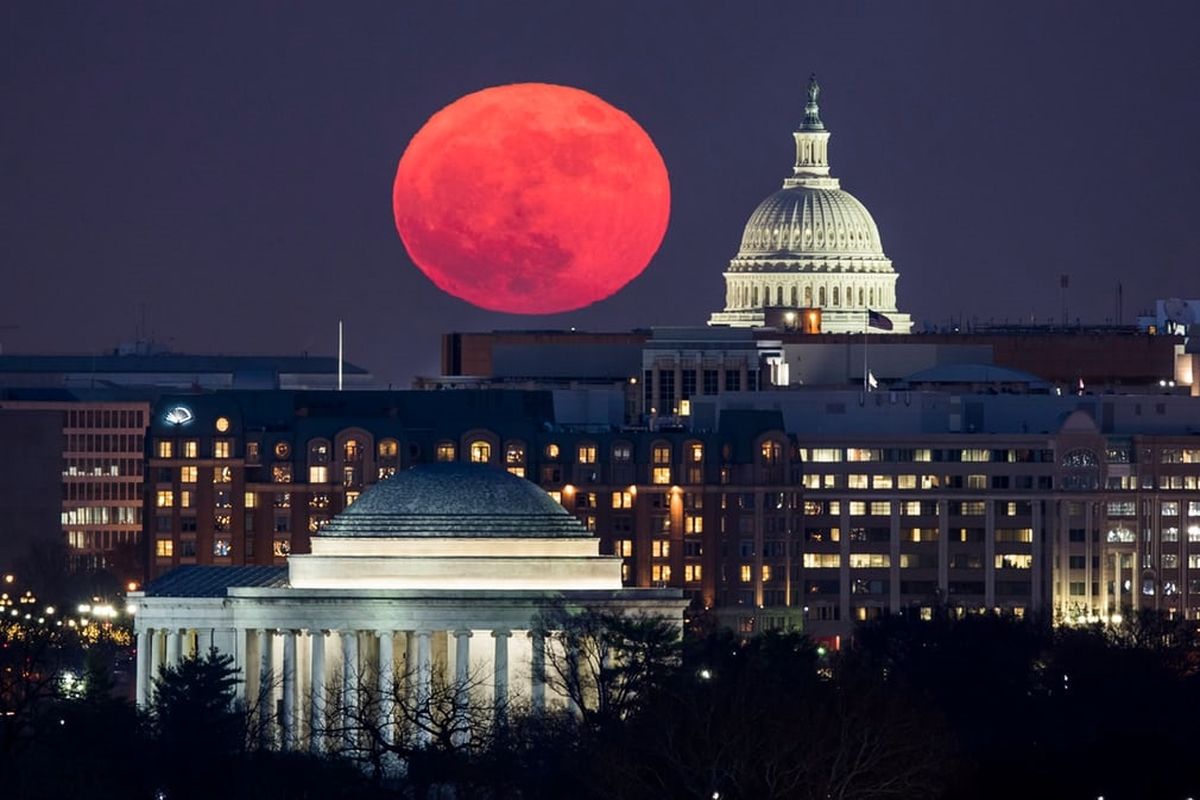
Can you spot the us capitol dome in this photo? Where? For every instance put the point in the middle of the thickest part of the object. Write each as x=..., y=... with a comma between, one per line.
x=812, y=245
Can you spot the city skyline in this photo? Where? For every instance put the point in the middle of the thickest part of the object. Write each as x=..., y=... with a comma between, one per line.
x=224, y=175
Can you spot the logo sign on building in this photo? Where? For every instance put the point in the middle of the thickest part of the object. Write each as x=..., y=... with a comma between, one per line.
x=179, y=415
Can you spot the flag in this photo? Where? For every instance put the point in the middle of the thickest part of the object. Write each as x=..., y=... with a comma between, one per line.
x=877, y=320
x=871, y=382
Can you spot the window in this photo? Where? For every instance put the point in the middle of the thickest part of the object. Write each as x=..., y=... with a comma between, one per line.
x=446, y=451
x=660, y=573
x=164, y=548
x=250, y=500
x=185, y=499
x=822, y=560
x=695, y=453
x=880, y=507
x=187, y=474
x=771, y=453
x=870, y=560
x=222, y=448
x=191, y=448
x=693, y=523
x=586, y=454
x=691, y=572
x=252, y=452
x=1170, y=508
x=165, y=498
x=352, y=450
x=661, y=473
x=1193, y=561
x=1170, y=561
x=514, y=454
x=281, y=473
x=622, y=499
x=222, y=424
x=826, y=454
x=318, y=473
x=623, y=548
x=481, y=452
x=388, y=448
x=164, y=449
x=222, y=548
x=660, y=549
x=746, y=573
x=282, y=450
x=622, y=451
x=1014, y=561
x=552, y=451
x=1014, y=535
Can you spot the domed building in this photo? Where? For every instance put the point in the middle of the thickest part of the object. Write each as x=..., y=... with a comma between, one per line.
x=439, y=571
x=812, y=245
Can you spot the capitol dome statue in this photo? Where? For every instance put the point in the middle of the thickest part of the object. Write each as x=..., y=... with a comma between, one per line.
x=812, y=245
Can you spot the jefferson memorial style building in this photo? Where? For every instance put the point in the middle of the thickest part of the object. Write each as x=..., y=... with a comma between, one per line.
x=811, y=245
x=438, y=570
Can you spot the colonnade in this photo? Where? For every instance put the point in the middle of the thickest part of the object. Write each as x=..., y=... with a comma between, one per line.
x=287, y=676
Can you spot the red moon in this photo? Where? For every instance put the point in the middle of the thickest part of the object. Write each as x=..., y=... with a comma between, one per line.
x=531, y=198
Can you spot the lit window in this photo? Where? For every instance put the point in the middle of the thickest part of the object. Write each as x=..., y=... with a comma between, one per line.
x=251, y=500
x=746, y=573
x=222, y=548
x=556, y=496
x=388, y=448
x=185, y=499
x=514, y=454
x=661, y=475
x=771, y=452
x=481, y=452
x=622, y=499
x=282, y=449
x=385, y=472
x=518, y=471
x=252, y=452
x=165, y=449
x=1014, y=561
x=222, y=448
x=352, y=450
x=870, y=560
x=623, y=548
x=660, y=549
x=222, y=424
x=281, y=473
x=318, y=473
x=164, y=548
x=587, y=454
x=822, y=560
x=191, y=448
x=693, y=523
x=660, y=573
x=691, y=572
x=187, y=474
x=622, y=451
x=446, y=452
x=165, y=498
x=696, y=453
x=906, y=481
x=281, y=548
x=552, y=450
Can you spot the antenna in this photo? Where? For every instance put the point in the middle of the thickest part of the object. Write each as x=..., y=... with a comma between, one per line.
x=340, y=355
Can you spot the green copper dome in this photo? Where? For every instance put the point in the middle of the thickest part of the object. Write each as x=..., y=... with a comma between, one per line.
x=455, y=501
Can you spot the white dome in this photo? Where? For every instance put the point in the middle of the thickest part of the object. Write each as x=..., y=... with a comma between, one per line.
x=805, y=222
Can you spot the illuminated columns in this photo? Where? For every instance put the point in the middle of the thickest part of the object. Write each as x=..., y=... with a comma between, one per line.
x=424, y=687
x=288, y=713
x=243, y=672
x=316, y=693
x=537, y=672
x=174, y=647
x=265, y=688
x=500, y=673
x=156, y=656
x=143, y=667
x=349, y=687
x=387, y=688
x=462, y=687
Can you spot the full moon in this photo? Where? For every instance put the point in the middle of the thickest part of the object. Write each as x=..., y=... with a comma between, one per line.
x=531, y=198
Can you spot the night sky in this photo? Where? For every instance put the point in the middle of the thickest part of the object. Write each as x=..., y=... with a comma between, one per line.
x=228, y=166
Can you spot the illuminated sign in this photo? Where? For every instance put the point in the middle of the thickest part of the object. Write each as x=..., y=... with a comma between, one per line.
x=179, y=415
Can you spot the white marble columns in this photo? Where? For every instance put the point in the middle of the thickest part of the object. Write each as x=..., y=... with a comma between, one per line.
x=143, y=667
x=316, y=692
x=500, y=674
x=386, y=688
x=288, y=716
x=350, y=674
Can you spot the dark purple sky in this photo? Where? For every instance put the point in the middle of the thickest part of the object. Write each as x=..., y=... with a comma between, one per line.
x=229, y=165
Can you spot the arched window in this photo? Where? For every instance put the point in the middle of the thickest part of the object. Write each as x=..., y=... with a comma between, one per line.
x=779, y=295
x=446, y=451
x=821, y=297
x=861, y=297
x=871, y=295
x=480, y=451
x=754, y=297
x=388, y=448
x=808, y=296
x=514, y=458
x=771, y=453
x=795, y=297
x=837, y=298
